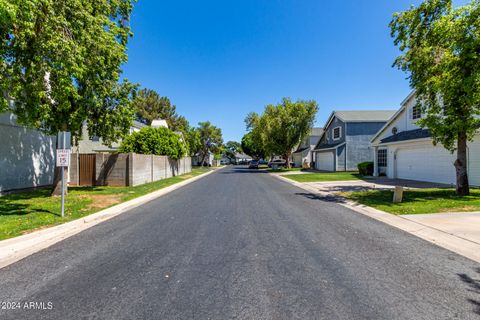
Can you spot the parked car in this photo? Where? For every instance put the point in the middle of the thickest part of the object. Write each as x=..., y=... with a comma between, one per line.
x=253, y=164
x=278, y=162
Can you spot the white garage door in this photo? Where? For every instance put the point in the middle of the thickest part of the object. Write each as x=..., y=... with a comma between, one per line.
x=427, y=163
x=325, y=161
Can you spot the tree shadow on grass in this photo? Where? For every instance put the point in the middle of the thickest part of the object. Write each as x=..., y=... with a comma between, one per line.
x=17, y=209
x=13, y=204
x=474, y=286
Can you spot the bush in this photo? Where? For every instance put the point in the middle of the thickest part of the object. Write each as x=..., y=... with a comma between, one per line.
x=158, y=141
x=365, y=168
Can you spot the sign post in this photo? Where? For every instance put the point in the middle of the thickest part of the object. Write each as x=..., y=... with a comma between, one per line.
x=63, y=160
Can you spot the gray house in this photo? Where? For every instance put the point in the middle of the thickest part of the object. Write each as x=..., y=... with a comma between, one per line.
x=304, y=152
x=95, y=144
x=346, y=140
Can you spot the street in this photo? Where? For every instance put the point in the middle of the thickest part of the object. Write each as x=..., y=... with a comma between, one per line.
x=242, y=244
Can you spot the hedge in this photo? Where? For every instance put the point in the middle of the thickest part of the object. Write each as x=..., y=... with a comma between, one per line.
x=365, y=168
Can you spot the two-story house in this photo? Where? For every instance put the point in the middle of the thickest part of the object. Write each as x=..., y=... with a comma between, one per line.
x=304, y=152
x=404, y=150
x=346, y=140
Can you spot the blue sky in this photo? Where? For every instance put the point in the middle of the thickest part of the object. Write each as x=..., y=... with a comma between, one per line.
x=218, y=60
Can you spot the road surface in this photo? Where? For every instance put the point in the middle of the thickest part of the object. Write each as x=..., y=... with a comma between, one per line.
x=241, y=244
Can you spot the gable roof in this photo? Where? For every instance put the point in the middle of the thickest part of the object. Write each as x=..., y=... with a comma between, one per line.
x=364, y=115
x=157, y=123
x=407, y=135
x=395, y=116
x=316, y=132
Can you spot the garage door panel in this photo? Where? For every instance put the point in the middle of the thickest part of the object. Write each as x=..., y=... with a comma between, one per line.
x=428, y=163
x=325, y=161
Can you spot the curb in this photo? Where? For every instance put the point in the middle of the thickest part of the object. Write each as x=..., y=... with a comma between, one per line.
x=15, y=249
x=451, y=242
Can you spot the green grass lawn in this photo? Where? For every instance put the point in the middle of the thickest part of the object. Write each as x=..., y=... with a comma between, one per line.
x=324, y=177
x=419, y=201
x=24, y=212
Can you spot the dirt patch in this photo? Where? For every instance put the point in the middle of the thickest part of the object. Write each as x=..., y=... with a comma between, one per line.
x=186, y=176
x=101, y=201
x=461, y=209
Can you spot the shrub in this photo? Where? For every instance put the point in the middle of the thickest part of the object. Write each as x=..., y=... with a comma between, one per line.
x=158, y=141
x=365, y=168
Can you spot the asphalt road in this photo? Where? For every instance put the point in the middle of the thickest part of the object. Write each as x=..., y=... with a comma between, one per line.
x=241, y=244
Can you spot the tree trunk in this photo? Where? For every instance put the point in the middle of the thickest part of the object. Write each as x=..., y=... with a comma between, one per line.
x=57, y=181
x=204, y=154
x=287, y=158
x=463, y=188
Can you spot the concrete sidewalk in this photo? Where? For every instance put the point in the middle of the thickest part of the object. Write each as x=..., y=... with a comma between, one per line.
x=465, y=225
x=457, y=232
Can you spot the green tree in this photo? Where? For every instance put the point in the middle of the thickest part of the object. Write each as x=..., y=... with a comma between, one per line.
x=150, y=106
x=193, y=140
x=210, y=138
x=61, y=64
x=252, y=146
x=158, y=141
x=231, y=148
x=283, y=126
x=440, y=49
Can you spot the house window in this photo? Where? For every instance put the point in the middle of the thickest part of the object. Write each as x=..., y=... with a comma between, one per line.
x=416, y=112
x=394, y=130
x=95, y=138
x=336, y=133
x=382, y=157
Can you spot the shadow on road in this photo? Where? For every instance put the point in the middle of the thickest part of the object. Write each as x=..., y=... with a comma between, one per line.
x=327, y=198
x=474, y=286
x=243, y=170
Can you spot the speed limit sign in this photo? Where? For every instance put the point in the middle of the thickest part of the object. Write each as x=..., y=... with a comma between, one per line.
x=63, y=157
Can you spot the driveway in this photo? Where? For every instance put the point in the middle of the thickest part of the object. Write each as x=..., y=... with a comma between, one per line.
x=242, y=244
x=379, y=183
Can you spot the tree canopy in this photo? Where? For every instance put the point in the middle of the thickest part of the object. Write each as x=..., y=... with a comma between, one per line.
x=440, y=50
x=61, y=64
x=252, y=147
x=231, y=148
x=149, y=105
x=210, y=139
x=158, y=141
x=281, y=127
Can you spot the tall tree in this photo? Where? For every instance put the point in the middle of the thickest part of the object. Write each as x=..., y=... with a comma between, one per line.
x=440, y=49
x=150, y=106
x=281, y=127
x=210, y=138
x=61, y=64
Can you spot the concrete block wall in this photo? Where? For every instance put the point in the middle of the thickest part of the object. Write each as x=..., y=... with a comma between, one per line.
x=132, y=169
x=150, y=168
x=112, y=169
x=142, y=169
x=73, y=170
x=159, y=167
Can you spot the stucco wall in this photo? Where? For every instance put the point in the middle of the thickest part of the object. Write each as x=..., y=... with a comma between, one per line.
x=27, y=157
